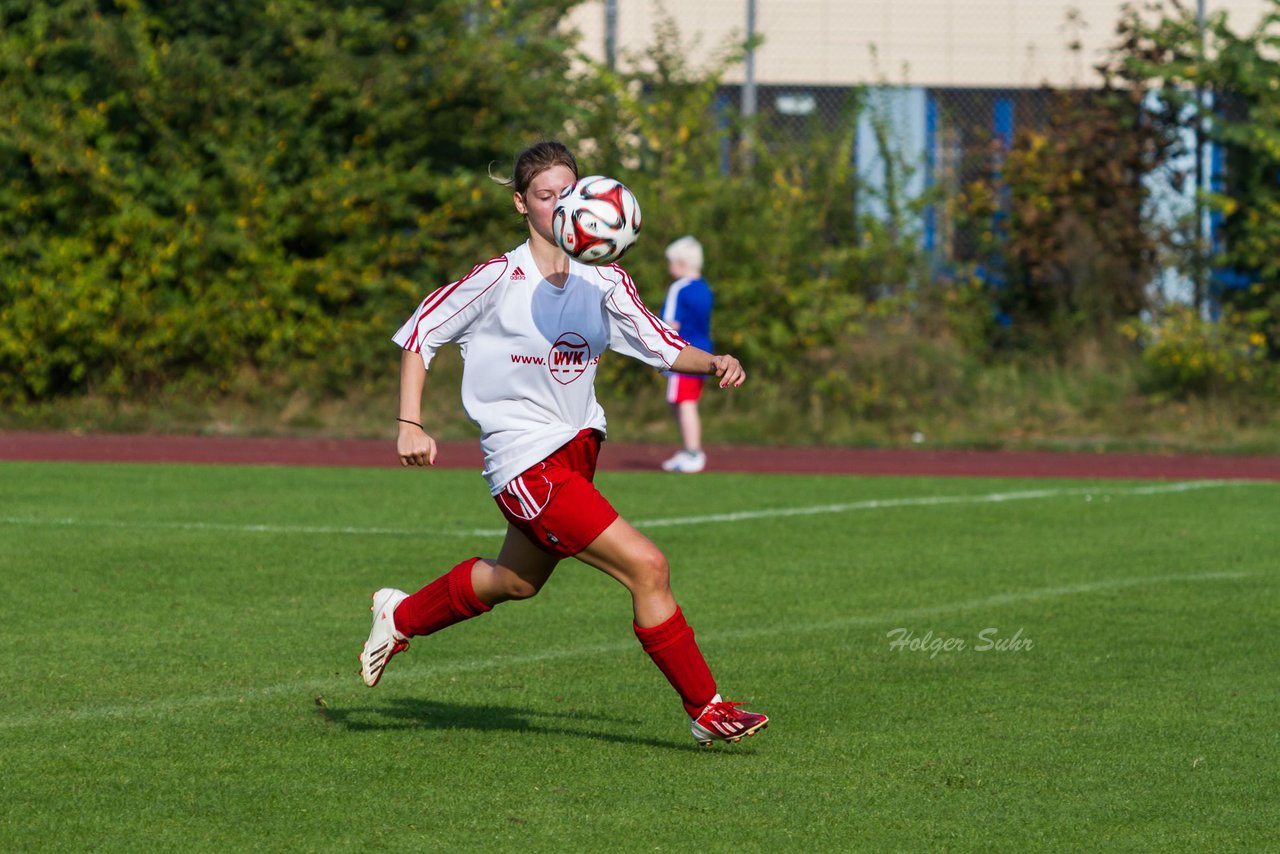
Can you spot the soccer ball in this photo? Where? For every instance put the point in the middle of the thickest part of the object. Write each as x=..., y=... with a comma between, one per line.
x=596, y=220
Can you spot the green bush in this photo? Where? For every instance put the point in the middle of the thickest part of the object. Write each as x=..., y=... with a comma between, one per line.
x=190, y=191
x=212, y=199
x=1186, y=355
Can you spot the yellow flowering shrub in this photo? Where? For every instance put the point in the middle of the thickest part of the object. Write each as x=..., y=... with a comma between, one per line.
x=1185, y=354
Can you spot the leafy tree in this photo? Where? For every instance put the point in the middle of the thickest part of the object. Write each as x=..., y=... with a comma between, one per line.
x=1241, y=112
x=191, y=190
x=1074, y=239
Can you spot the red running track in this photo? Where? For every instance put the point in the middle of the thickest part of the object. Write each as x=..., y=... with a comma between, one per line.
x=632, y=457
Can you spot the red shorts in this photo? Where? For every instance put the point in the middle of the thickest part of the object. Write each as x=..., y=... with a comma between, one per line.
x=682, y=388
x=554, y=503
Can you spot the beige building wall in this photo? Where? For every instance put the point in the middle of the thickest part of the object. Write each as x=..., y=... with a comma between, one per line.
x=1006, y=43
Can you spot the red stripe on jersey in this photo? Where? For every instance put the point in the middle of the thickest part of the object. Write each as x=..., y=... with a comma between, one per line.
x=662, y=329
x=640, y=335
x=665, y=331
x=429, y=305
x=440, y=295
x=482, y=292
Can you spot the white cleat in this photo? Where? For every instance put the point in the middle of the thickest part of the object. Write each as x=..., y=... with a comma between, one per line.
x=686, y=462
x=724, y=721
x=384, y=641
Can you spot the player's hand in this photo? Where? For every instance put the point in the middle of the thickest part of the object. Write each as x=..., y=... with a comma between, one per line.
x=415, y=447
x=729, y=370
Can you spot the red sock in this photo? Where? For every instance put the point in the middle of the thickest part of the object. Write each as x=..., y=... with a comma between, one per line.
x=449, y=599
x=673, y=649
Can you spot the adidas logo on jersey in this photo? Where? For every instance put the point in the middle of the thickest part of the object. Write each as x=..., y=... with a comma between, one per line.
x=517, y=275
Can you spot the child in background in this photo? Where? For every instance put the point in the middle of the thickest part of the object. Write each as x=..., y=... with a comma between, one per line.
x=688, y=311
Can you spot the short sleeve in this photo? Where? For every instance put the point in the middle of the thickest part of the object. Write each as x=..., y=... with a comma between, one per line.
x=447, y=313
x=634, y=330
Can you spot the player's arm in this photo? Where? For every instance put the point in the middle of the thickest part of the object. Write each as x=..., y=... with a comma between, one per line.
x=694, y=360
x=413, y=445
x=444, y=316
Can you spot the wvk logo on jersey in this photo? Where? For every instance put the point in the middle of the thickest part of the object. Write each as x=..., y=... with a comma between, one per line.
x=567, y=360
x=569, y=357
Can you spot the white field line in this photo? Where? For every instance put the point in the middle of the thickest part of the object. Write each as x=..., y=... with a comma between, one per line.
x=738, y=516
x=161, y=709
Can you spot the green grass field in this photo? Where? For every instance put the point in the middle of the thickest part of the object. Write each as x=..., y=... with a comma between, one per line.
x=180, y=668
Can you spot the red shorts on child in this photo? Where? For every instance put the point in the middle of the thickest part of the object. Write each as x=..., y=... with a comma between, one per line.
x=682, y=388
x=555, y=504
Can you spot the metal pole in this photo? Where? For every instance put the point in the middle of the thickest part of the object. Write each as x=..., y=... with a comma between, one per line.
x=611, y=33
x=749, y=87
x=1202, y=235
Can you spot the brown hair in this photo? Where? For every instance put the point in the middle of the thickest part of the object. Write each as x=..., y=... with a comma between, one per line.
x=537, y=159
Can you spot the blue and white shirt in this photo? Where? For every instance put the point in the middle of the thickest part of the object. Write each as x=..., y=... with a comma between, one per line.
x=688, y=306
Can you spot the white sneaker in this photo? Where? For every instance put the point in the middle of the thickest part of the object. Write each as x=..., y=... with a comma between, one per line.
x=686, y=462
x=384, y=641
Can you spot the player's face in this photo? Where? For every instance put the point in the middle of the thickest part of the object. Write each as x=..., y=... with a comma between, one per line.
x=539, y=199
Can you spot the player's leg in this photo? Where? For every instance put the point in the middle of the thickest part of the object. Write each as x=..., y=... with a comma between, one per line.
x=630, y=557
x=673, y=396
x=468, y=590
x=682, y=396
x=518, y=573
x=690, y=425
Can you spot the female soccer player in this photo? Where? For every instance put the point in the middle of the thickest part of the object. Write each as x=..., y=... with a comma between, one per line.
x=531, y=325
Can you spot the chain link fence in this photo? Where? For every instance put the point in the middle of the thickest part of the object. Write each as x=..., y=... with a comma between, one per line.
x=938, y=139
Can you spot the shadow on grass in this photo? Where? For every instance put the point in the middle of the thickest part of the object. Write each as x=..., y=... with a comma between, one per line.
x=413, y=713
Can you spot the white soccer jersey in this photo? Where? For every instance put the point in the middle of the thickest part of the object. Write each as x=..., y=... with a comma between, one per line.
x=530, y=351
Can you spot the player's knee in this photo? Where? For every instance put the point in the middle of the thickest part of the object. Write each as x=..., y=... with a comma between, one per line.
x=507, y=584
x=652, y=572
x=516, y=587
